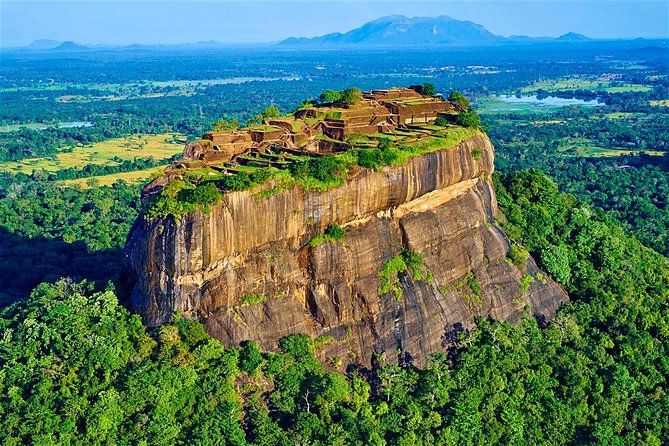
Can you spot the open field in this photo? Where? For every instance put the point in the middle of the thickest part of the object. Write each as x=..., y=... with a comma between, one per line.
x=137, y=176
x=104, y=152
x=585, y=84
x=42, y=126
x=494, y=104
x=586, y=148
x=145, y=89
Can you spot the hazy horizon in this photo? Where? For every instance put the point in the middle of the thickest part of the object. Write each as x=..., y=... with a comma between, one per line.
x=176, y=22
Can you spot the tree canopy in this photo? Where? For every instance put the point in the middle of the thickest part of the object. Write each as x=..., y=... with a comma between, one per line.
x=78, y=368
x=459, y=100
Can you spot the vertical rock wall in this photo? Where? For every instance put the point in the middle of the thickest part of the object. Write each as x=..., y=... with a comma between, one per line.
x=441, y=205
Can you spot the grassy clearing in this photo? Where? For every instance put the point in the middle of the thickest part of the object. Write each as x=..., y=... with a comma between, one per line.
x=138, y=176
x=35, y=126
x=103, y=153
x=585, y=84
x=548, y=122
x=134, y=90
x=614, y=152
x=583, y=147
x=620, y=115
x=492, y=105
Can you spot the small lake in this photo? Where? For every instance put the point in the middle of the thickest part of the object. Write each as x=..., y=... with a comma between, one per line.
x=71, y=125
x=38, y=126
x=550, y=101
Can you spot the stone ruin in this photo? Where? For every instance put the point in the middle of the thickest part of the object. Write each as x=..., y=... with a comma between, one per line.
x=323, y=128
x=312, y=130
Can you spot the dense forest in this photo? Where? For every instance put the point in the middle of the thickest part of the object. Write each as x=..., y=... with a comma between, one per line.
x=78, y=368
x=584, y=191
x=50, y=232
x=632, y=189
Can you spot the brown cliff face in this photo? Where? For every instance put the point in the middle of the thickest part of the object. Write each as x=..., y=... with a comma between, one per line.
x=246, y=269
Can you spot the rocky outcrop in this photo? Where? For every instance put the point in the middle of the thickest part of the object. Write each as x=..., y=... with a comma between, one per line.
x=246, y=269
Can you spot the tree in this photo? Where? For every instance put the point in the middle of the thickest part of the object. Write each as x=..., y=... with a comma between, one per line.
x=428, y=89
x=468, y=119
x=384, y=143
x=271, y=112
x=351, y=96
x=268, y=113
x=329, y=96
x=222, y=125
x=459, y=100
x=250, y=357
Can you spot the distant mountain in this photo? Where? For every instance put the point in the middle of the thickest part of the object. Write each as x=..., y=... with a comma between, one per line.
x=572, y=37
x=42, y=44
x=69, y=46
x=398, y=30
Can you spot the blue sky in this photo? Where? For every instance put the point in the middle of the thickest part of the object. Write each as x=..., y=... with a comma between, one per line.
x=125, y=22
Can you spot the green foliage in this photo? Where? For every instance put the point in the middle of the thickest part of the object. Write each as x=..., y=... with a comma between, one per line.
x=328, y=171
x=459, y=100
x=246, y=180
x=180, y=197
x=405, y=261
x=370, y=158
x=441, y=122
x=329, y=96
x=268, y=113
x=477, y=153
x=518, y=256
x=253, y=299
x=389, y=276
x=48, y=232
x=426, y=89
x=389, y=154
x=525, y=283
x=469, y=119
x=351, y=96
x=386, y=154
x=77, y=368
x=385, y=143
x=356, y=138
x=333, y=233
x=555, y=260
x=470, y=288
x=250, y=357
x=570, y=148
x=223, y=125
x=297, y=346
x=473, y=284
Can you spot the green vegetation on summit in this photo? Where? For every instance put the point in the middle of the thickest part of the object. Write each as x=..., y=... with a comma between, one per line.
x=315, y=147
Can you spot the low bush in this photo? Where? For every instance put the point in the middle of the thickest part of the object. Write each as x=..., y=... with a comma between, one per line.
x=327, y=170
x=469, y=119
x=518, y=256
x=406, y=260
x=333, y=233
x=180, y=197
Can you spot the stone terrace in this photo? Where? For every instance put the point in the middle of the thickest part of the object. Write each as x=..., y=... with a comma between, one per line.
x=401, y=114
